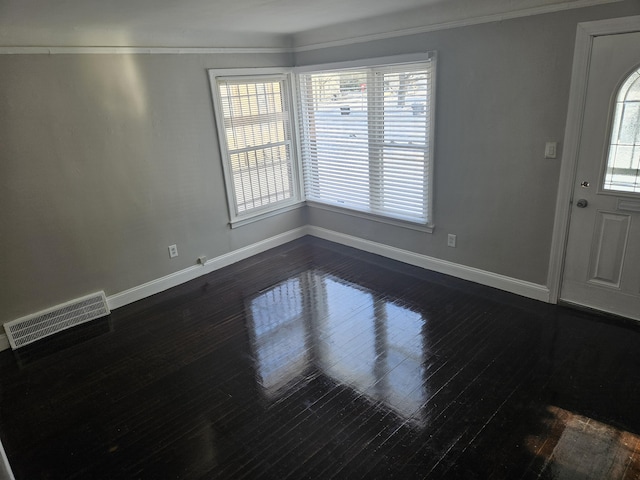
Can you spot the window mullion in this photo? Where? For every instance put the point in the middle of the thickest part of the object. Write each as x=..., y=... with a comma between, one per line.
x=375, y=157
x=375, y=113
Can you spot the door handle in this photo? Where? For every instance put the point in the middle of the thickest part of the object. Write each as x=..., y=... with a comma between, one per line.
x=582, y=203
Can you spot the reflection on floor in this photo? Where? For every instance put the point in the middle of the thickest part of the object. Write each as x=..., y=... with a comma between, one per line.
x=318, y=361
x=317, y=324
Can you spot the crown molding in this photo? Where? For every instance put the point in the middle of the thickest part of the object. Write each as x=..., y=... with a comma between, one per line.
x=67, y=50
x=131, y=50
x=498, y=17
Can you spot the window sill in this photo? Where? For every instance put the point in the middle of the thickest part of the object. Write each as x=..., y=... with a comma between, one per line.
x=241, y=221
x=420, y=227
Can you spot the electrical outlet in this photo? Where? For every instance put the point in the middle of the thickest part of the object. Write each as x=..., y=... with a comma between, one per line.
x=173, y=251
x=451, y=240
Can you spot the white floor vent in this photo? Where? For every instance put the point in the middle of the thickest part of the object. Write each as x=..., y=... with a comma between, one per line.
x=26, y=330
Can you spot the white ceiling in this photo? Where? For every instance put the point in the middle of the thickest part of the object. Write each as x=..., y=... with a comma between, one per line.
x=243, y=23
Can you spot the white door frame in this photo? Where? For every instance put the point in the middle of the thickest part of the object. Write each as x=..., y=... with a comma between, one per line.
x=586, y=32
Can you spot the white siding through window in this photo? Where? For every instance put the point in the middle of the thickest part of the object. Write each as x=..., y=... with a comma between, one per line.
x=366, y=138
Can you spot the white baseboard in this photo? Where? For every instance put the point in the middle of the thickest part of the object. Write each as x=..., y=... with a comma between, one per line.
x=502, y=282
x=508, y=284
x=164, y=283
x=512, y=285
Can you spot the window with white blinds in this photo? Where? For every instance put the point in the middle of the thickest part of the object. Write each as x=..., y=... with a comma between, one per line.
x=255, y=132
x=366, y=138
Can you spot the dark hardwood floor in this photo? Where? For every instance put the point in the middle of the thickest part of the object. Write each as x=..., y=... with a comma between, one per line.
x=317, y=361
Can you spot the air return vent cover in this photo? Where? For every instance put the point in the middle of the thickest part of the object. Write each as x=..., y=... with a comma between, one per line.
x=26, y=330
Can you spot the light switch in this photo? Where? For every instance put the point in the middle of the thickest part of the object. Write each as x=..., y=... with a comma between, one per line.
x=550, y=149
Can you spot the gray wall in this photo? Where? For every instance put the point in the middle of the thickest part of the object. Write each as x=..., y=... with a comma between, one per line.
x=105, y=160
x=502, y=92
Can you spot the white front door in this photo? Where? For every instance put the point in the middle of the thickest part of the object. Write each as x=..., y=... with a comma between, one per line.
x=602, y=260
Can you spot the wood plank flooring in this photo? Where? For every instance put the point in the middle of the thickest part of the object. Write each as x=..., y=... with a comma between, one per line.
x=318, y=361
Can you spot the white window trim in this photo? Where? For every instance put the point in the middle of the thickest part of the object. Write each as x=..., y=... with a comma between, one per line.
x=421, y=227
x=297, y=199
x=369, y=62
x=372, y=63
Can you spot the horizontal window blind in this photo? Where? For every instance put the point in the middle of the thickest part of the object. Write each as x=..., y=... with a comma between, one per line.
x=366, y=138
x=256, y=121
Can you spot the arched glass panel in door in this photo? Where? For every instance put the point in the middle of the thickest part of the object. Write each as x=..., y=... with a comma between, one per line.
x=623, y=163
